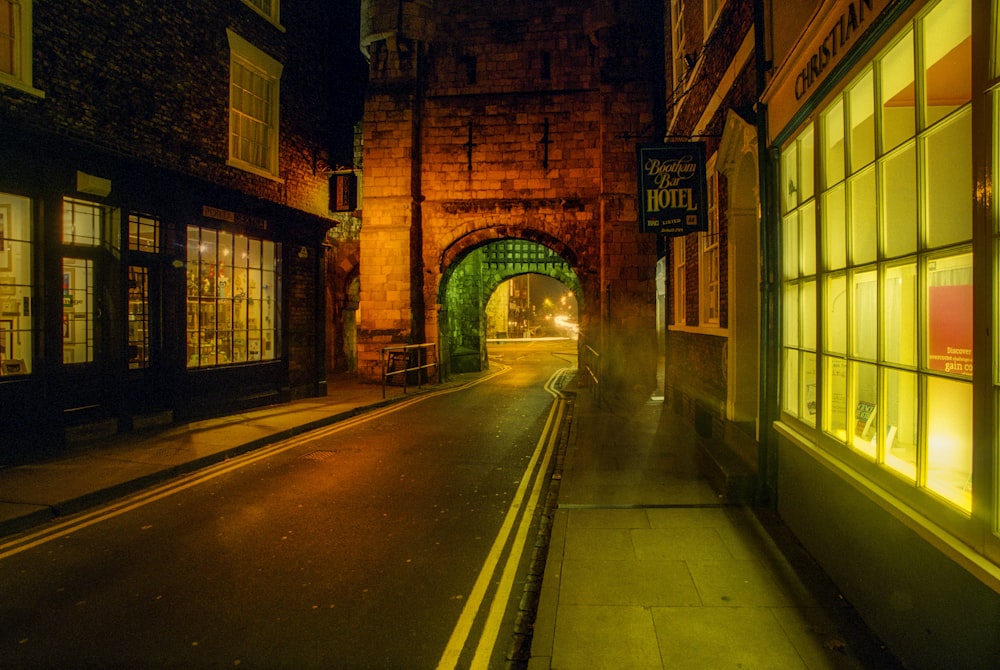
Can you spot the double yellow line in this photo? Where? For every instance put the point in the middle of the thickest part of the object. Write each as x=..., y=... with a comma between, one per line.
x=523, y=506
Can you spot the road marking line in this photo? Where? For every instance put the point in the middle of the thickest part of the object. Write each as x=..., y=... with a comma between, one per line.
x=470, y=612
x=113, y=509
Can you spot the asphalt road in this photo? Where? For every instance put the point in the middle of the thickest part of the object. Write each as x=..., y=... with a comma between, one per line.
x=361, y=545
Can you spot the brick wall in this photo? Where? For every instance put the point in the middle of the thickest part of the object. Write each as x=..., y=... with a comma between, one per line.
x=150, y=81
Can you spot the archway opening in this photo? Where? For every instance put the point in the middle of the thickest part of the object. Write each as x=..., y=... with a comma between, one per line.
x=532, y=306
x=506, y=267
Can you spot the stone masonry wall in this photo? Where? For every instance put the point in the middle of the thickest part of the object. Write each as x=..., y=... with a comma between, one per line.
x=513, y=122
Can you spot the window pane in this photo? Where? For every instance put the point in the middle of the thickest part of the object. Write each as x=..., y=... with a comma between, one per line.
x=948, y=180
x=864, y=315
x=791, y=315
x=861, y=99
x=864, y=206
x=897, y=93
x=138, y=317
x=947, y=58
x=900, y=421
x=807, y=228
x=143, y=233
x=790, y=246
x=8, y=37
x=835, y=228
x=78, y=310
x=790, y=178
x=899, y=315
x=835, y=398
x=949, y=315
x=808, y=390
x=791, y=385
x=864, y=393
x=808, y=315
x=899, y=201
x=81, y=223
x=833, y=144
x=836, y=314
x=16, y=288
x=806, y=184
x=949, y=440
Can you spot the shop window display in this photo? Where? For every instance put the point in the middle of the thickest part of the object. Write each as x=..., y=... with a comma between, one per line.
x=895, y=224
x=232, y=289
x=16, y=297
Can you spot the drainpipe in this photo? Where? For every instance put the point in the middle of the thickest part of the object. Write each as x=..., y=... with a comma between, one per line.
x=769, y=366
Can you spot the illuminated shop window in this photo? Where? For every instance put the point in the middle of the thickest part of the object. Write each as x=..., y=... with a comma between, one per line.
x=16, y=249
x=16, y=45
x=894, y=270
x=232, y=307
x=143, y=233
x=253, y=108
x=82, y=223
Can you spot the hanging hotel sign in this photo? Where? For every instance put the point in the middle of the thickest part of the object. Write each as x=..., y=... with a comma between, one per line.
x=672, y=193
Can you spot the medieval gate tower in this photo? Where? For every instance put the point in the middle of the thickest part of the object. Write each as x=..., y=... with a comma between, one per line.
x=508, y=120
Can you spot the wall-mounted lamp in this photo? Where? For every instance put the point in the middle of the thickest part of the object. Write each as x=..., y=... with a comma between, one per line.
x=690, y=59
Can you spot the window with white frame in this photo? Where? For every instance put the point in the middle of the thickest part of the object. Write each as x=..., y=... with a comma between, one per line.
x=269, y=9
x=679, y=258
x=678, y=41
x=253, y=108
x=877, y=265
x=15, y=45
x=712, y=10
x=708, y=256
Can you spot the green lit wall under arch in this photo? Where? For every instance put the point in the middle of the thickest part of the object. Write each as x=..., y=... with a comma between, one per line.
x=468, y=284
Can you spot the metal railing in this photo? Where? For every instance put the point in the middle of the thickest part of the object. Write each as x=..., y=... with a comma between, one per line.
x=409, y=359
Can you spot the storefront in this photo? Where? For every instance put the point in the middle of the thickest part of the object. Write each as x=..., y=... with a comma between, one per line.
x=131, y=296
x=883, y=123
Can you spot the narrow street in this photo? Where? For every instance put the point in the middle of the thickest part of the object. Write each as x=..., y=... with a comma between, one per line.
x=379, y=542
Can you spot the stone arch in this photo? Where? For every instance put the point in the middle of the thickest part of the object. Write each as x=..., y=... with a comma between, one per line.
x=477, y=238
x=471, y=270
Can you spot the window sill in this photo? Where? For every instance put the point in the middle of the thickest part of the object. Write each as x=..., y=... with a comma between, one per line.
x=253, y=169
x=21, y=86
x=700, y=330
x=965, y=556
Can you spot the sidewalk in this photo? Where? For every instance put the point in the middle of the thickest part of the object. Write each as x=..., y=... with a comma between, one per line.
x=648, y=568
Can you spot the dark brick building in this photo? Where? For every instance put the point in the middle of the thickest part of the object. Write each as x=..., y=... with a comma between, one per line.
x=164, y=197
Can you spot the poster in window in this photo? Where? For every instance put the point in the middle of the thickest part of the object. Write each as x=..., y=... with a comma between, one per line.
x=949, y=341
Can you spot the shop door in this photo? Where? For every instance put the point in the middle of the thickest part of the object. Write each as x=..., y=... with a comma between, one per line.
x=86, y=302
x=143, y=317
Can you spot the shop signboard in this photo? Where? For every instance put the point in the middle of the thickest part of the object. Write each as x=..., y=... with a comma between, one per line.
x=672, y=191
